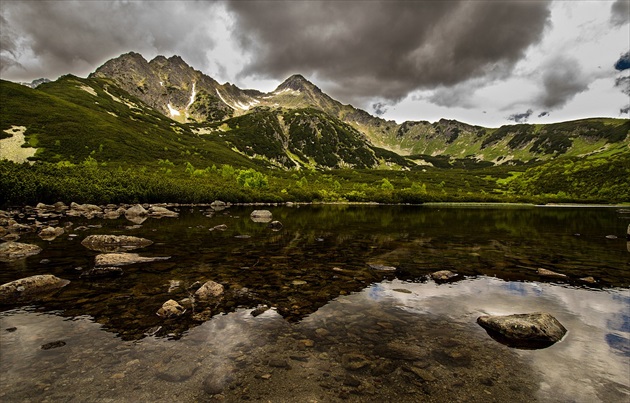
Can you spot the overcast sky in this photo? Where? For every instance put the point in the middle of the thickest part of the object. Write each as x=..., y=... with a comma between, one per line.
x=481, y=62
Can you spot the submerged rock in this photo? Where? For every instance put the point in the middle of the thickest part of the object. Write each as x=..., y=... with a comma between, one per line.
x=528, y=331
x=30, y=288
x=122, y=259
x=10, y=251
x=221, y=227
x=381, y=267
x=444, y=275
x=209, y=290
x=170, y=309
x=53, y=344
x=275, y=226
x=102, y=272
x=114, y=243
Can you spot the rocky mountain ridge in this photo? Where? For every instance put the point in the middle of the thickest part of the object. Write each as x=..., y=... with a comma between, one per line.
x=189, y=96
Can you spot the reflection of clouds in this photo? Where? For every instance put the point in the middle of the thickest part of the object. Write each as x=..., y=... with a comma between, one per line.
x=112, y=369
x=587, y=365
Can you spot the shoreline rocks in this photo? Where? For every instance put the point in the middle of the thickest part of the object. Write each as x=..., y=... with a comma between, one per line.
x=527, y=331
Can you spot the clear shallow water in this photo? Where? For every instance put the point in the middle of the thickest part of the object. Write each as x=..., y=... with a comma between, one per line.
x=345, y=334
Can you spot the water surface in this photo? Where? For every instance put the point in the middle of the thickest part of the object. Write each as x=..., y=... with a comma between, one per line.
x=337, y=329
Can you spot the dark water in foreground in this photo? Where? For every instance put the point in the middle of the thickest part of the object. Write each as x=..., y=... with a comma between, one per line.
x=337, y=329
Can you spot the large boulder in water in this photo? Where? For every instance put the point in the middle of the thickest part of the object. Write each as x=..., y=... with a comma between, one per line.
x=30, y=288
x=10, y=251
x=528, y=331
x=114, y=243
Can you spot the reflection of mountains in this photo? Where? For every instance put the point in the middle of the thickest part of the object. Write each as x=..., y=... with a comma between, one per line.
x=321, y=253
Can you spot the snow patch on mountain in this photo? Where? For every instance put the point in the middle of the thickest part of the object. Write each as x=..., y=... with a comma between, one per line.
x=192, y=97
x=172, y=111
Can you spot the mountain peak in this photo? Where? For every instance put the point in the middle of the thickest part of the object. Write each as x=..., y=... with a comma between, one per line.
x=297, y=82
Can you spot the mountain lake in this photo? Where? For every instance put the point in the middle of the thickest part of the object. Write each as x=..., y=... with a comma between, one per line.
x=337, y=304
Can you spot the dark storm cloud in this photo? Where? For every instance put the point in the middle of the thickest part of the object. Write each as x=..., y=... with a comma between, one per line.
x=623, y=63
x=562, y=80
x=387, y=49
x=624, y=84
x=58, y=37
x=379, y=108
x=620, y=12
x=543, y=114
x=521, y=117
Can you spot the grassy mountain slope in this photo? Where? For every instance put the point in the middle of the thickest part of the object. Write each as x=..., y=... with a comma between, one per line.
x=73, y=119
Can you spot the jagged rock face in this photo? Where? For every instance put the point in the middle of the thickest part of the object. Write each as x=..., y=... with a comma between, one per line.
x=177, y=90
x=168, y=85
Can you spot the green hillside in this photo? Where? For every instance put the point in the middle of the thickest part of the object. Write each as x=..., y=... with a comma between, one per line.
x=88, y=140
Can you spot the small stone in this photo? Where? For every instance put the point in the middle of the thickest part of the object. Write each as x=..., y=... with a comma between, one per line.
x=444, y=275
x=354, y=361
x=380, y=267
x=209, y=290
x=11, y=329
x=54, y=344
x=352, y=381
x=170, y=309
x=298, y=282
x=588, y=280
x=221, y=227
x=611, y=236
x=212, y=385
x=260, y=309
x=278, y=363
x=275, y=226
x=423, y=374
x=266, y=376
x=402, y=290
x=307, y=343
x=551, y=274
x=102, y=272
